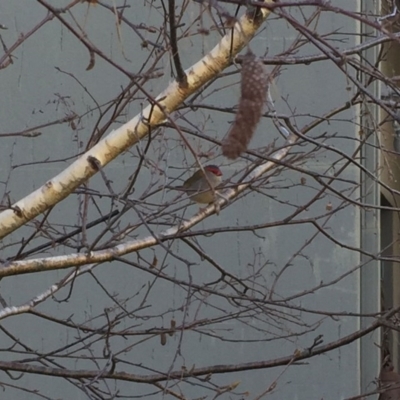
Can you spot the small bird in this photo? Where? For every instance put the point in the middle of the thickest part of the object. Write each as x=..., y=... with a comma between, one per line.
x=198, y=186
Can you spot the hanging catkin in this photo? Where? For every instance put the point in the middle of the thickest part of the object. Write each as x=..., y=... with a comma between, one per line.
x=254, y=86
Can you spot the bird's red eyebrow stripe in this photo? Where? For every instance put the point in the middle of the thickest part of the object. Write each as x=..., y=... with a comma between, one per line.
x=214, y=169
x=217, y=171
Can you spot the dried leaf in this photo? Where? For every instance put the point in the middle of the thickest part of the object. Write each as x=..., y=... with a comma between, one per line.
x=91, y=61
x=154, y=262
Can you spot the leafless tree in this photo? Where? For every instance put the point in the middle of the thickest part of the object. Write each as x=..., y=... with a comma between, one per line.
x=117, y=286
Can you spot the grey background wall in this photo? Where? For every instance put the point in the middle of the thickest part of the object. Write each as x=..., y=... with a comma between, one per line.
x=35, y=90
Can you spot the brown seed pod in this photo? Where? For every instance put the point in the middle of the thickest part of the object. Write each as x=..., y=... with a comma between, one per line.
x=173, y=325
x=254, y=87
x=163, y=339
